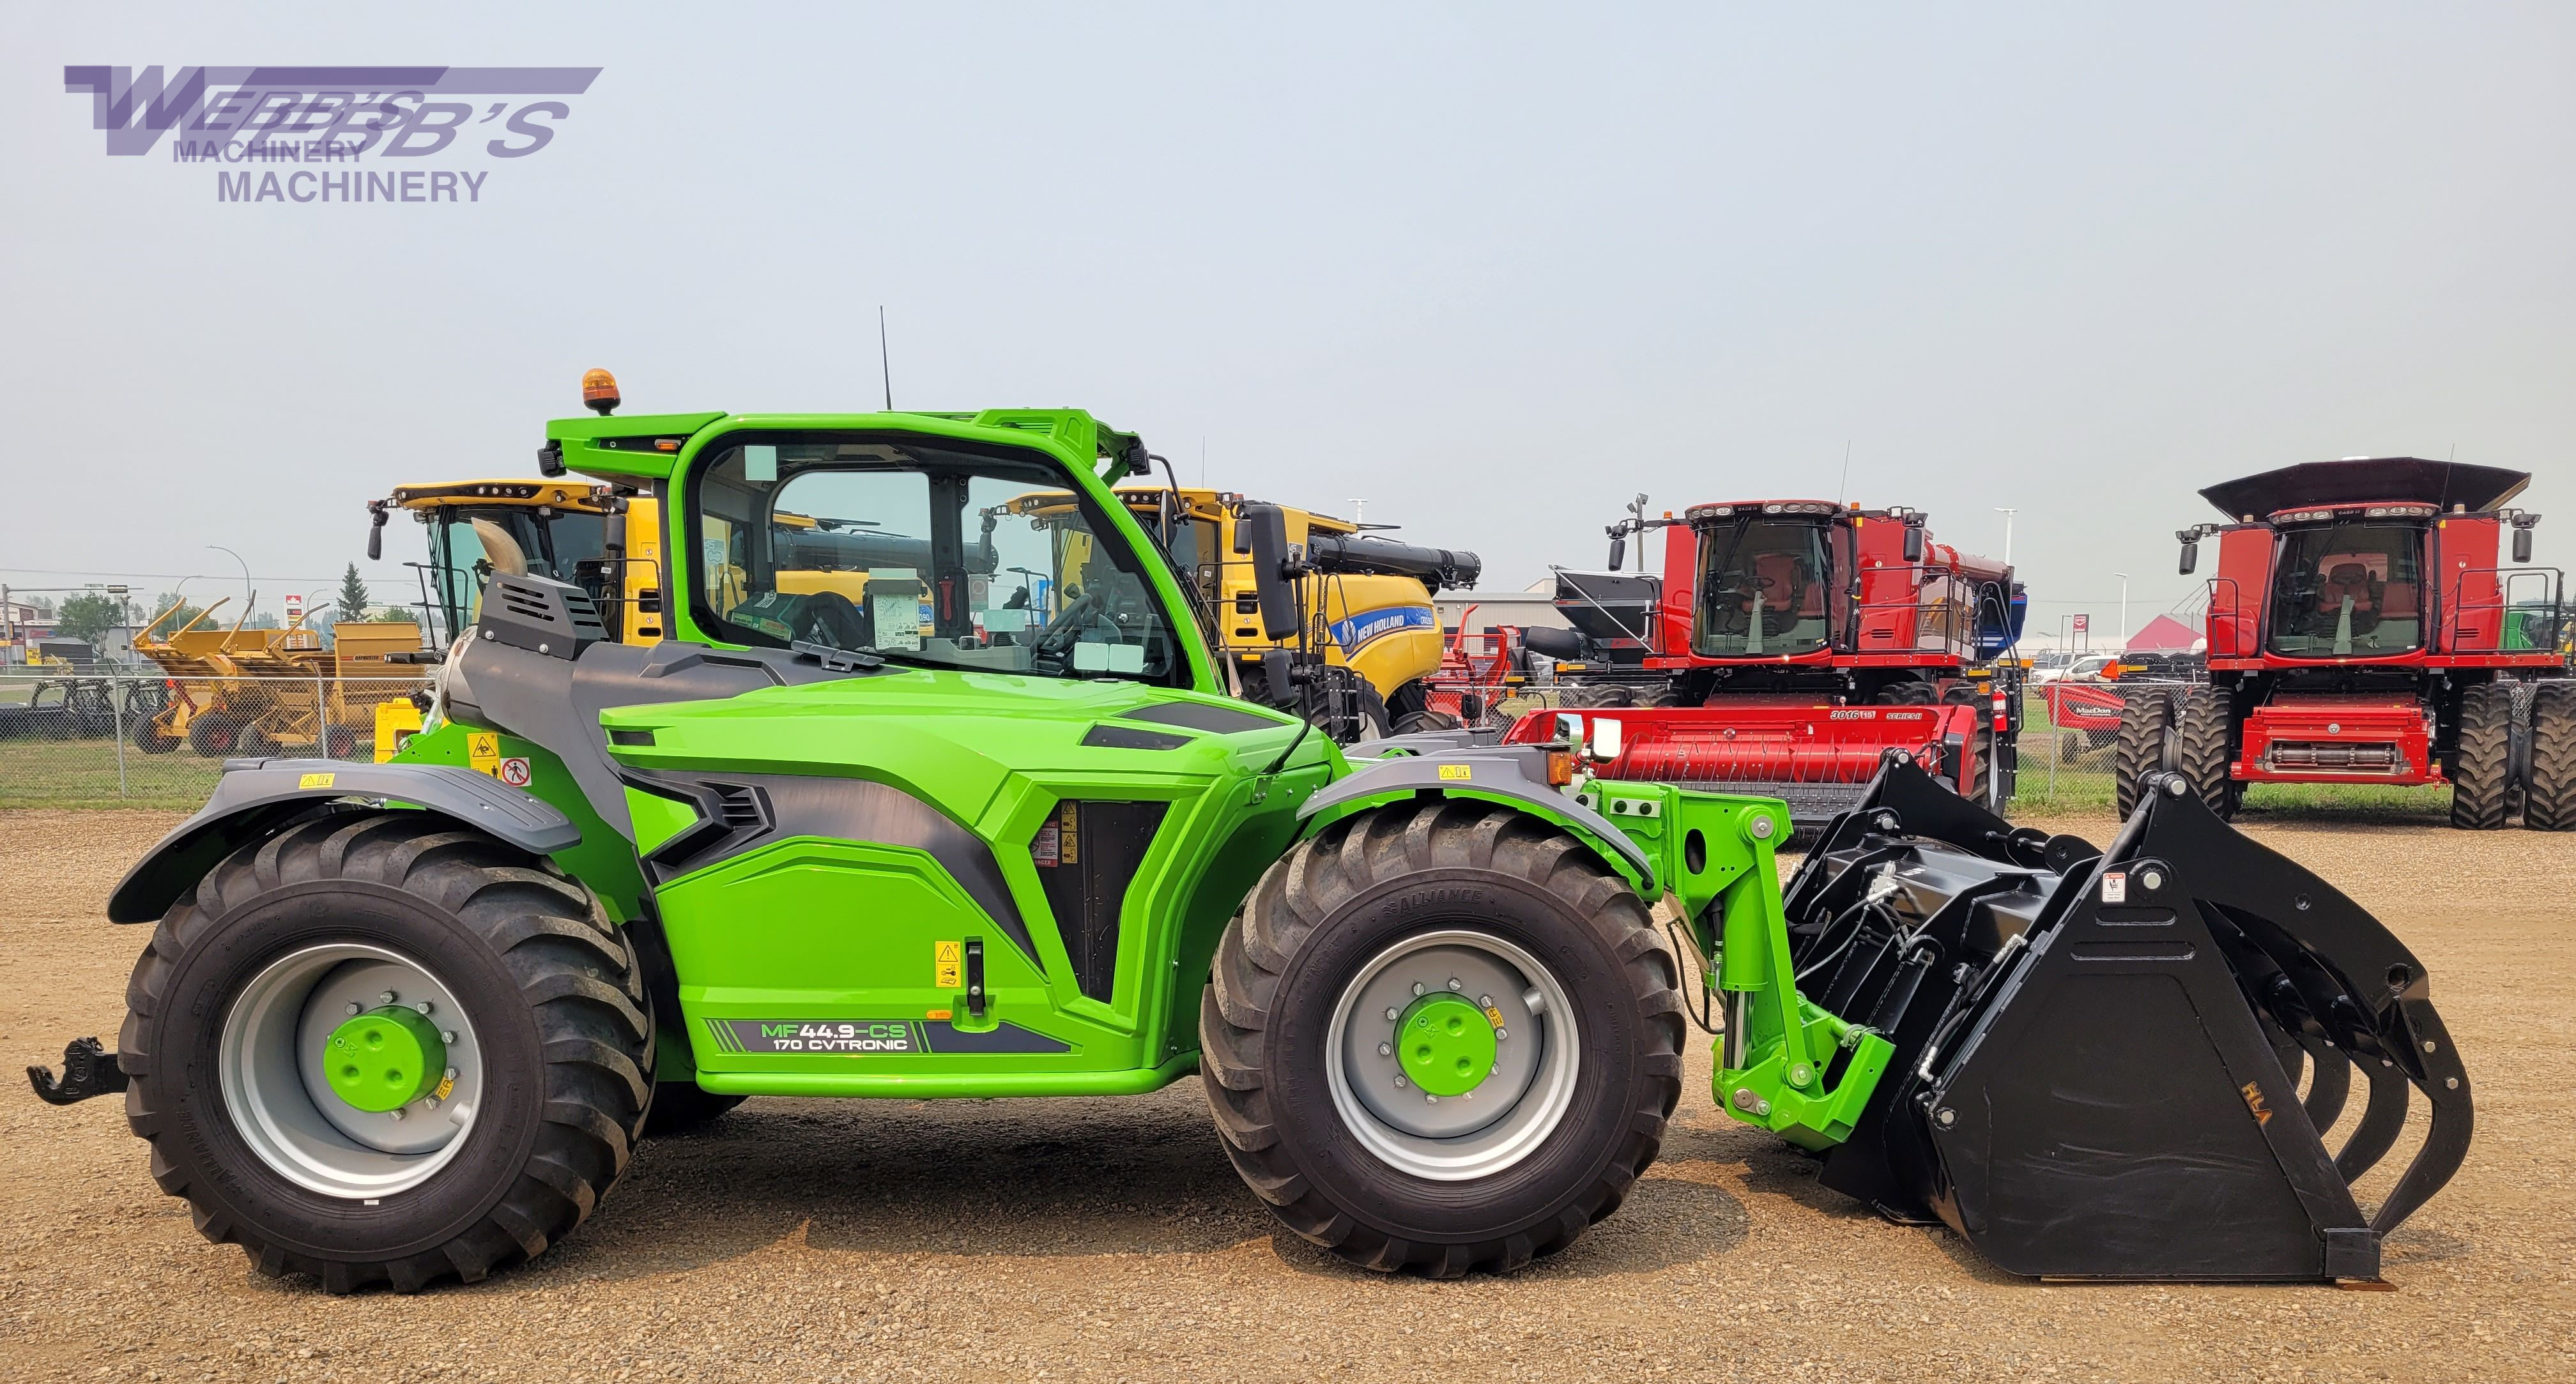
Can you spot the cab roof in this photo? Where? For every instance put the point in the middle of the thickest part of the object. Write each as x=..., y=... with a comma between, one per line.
x=2361, y=480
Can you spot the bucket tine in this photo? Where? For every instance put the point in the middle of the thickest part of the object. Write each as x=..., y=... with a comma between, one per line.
x=2445, y=1084
x=2329, y=1087
x=2381, y=1120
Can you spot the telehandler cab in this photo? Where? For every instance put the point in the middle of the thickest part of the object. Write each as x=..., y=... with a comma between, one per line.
x=406, y=1021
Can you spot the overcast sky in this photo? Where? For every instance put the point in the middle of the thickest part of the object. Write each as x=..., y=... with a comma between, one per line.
x=1492, y=272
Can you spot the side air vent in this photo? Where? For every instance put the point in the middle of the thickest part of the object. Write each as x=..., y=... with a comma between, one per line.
x=554, y=618
x=740, y=808
x=1087, y=853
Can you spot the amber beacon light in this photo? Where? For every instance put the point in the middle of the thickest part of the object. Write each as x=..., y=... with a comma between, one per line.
x=599, y=391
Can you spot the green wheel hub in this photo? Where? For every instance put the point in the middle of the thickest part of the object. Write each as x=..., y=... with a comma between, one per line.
x=1445, y=1043
x=386, y=1058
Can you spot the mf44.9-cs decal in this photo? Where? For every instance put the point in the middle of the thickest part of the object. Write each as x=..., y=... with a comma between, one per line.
x=874, y=1037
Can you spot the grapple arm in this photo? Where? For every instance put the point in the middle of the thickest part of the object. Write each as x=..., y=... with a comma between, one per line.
x=2098, y=1054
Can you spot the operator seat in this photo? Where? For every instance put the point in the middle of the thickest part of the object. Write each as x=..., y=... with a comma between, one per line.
x=2353, y=580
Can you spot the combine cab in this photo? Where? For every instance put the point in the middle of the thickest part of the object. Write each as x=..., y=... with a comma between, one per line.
x=1788, y=645
x=2362, y=630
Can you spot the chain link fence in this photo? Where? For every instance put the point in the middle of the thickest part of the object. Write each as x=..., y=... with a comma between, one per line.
x=127, y=737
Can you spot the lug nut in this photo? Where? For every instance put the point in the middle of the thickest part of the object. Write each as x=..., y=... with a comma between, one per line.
x=1400, y=1081
x=1392, y=1013
x=1501, y=1033
x=385, y=998
x=396, y=1113
x=1419, y=987
x=426, y=1006
x=433, y=1102
x=1430, y=1099
x=1385, y=1050
x=353, y=1009
x=447, y=1037
x=1484, y=1001
x=1454, y=985
x=451, y=1073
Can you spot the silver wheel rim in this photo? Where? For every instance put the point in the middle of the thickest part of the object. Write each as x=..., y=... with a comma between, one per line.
x=1505, y=1118
x=269, y=1068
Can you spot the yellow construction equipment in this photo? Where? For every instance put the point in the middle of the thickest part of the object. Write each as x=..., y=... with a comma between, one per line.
x=238, y=691
x=1367, y=601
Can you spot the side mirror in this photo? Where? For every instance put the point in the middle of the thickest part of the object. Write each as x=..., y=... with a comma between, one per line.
x=1619, y=548
x=1913, y=543
x=376, y=537
x=1471, y=708
x=2190, y=556
x=2521, y=546
x=1278, y=598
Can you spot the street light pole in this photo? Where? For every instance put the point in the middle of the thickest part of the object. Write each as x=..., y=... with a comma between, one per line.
x=2124, y=609
x=2008, y=518
x=249, y=597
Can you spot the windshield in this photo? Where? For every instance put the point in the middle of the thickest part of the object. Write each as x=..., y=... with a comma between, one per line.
x=1762, y=588
x=468, y=543
x=2347, y=589
x=914, y=552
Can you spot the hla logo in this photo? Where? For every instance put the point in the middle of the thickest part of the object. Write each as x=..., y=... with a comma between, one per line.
x=335, y=117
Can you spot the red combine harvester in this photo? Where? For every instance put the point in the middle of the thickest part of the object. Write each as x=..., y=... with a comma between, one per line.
x=1788, y=645
x=2361, y=630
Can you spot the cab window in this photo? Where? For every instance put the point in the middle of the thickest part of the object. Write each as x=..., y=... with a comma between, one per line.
x=2347, y=589
x=918, y=553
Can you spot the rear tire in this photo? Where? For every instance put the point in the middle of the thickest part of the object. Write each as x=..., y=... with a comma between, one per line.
x=1911, y=692
x=2203, y=735
x=2483, y=766
x=1411, y=707
x=1321, y=1135
x=2145, y=721
x=556, y=1033
x=211, y=735
x=2549, y=802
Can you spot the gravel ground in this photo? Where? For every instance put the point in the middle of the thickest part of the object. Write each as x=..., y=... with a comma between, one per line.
x=1108, y=1239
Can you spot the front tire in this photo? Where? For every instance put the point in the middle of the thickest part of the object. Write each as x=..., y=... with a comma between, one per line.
x=2549, y=803
x=2146, y=720
x=1583, y=1071
x=2202, y=736
x=2483, y=767
x=545, y=1038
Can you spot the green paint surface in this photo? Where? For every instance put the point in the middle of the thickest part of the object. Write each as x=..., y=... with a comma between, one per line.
x=1445, y=1043
x=384, y=1059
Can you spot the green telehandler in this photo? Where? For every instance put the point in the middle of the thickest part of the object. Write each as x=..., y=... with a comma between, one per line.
x=943, y=833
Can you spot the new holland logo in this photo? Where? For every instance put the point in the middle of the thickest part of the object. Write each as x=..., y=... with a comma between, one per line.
x=1353, y=631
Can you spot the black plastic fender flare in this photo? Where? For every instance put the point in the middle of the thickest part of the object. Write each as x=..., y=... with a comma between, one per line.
x=257, y=796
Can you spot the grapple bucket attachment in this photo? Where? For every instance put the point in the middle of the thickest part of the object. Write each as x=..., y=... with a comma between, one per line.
x=2099, y=1055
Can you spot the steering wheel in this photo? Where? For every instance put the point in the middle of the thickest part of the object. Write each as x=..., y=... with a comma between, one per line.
x=1054, y=644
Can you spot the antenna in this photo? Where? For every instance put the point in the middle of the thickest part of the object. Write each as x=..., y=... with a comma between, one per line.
x=1844, y=492
x=884, y=364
